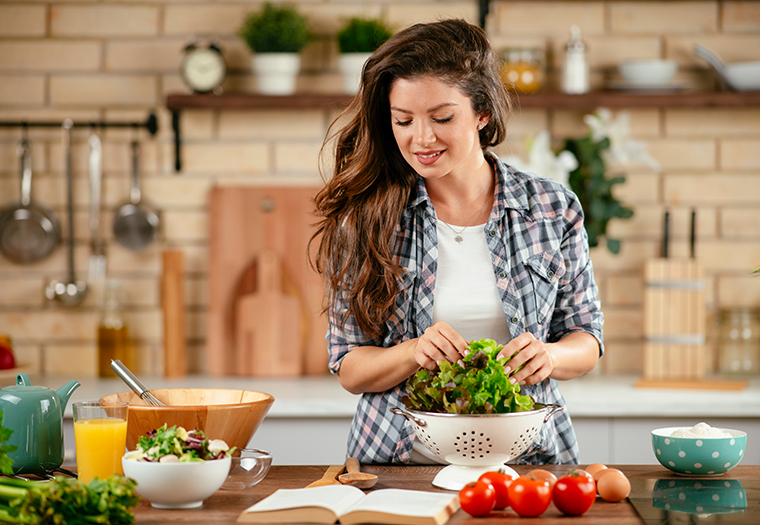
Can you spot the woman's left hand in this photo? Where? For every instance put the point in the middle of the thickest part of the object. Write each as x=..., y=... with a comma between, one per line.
x=531, y=352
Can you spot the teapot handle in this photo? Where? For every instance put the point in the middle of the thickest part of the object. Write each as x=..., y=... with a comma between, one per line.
x=23, y=380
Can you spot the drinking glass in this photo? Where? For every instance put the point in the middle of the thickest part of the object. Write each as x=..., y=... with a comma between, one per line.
x=100, y=433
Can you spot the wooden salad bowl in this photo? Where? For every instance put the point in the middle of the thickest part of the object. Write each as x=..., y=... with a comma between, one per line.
x=228, y=414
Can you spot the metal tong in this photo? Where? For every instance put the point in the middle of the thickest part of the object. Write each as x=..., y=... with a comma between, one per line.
x=131, y=380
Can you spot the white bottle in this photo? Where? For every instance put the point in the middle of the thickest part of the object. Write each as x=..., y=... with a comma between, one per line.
x=575, y=74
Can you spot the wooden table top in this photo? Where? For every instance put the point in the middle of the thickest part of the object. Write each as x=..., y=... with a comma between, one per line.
x=225, y=506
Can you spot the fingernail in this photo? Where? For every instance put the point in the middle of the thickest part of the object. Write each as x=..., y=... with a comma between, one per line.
x=512, y=380
x=522, y=382
x=466, y=352
x=507, y=369
x=460, y=363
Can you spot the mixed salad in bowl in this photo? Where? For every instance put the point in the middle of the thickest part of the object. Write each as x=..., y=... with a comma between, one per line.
x=177, y=445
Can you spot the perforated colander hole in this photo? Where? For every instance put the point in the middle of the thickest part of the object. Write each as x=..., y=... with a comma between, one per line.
x=472, y=445
x=427, y=440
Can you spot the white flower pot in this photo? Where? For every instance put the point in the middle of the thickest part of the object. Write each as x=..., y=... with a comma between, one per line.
x=276, y=73
x=350, y=65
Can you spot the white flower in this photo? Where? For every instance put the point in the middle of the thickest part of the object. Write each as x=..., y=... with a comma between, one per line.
x=542, y=160
x=217, y=445
x=623, y=149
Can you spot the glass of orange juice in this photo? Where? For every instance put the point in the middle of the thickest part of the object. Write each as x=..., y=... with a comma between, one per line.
x=100, y=433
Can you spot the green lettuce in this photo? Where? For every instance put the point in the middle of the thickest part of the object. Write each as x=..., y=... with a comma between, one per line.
x=478, y=387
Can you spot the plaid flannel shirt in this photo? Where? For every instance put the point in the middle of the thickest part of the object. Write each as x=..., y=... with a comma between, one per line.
x=544, y=277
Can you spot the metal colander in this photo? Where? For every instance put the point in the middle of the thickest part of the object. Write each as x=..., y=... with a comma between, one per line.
x=478, y=440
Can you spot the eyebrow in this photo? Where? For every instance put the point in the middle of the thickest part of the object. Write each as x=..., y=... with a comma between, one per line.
x=431, y=110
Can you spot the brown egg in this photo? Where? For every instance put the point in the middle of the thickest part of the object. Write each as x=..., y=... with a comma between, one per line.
x=544, y=474
x=594, y=468
x=613, y=485
x=581, y=472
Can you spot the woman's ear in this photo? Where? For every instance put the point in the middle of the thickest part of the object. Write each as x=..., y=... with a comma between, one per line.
x=483, y=120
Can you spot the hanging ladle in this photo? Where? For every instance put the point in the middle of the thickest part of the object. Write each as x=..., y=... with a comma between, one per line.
x=72, y=292
x=135, y=224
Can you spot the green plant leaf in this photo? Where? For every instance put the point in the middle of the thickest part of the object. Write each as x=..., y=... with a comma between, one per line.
x=275, y=29
x=613, y=245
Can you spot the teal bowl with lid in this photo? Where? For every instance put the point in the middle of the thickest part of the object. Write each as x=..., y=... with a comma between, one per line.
x=699, y=456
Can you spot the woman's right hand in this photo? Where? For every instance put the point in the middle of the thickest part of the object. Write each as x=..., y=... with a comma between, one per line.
x=439, y=342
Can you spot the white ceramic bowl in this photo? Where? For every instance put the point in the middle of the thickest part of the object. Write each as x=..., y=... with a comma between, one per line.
x=743, y=76
x=653, y=72
x=177, y=485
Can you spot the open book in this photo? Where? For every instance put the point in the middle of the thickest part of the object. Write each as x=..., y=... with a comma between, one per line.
x=347, y=504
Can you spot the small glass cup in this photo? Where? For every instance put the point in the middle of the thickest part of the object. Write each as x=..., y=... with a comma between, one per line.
x=247, y=468
x=100, y=433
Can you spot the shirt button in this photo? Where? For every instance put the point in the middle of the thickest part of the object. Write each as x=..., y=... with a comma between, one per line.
x=502, y=275
x=514, y=320
x=550, y=273
x=492, y=233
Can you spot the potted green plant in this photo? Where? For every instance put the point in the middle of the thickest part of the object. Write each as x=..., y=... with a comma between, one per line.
x=276, y=35
x=358, y=38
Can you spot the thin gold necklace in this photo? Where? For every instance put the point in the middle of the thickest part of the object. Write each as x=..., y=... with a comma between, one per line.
x=458, y=234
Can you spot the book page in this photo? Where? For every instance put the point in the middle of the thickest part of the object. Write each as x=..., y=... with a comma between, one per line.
x=337, y=498
x=398, y=505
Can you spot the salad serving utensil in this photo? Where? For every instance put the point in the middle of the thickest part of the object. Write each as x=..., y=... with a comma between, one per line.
x=135, y=384
x=329, y=478
x=354, y=477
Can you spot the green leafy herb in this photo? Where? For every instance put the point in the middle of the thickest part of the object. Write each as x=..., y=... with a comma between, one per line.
x=594, y=190
x=68, y=501
x=6, y=463
x=177, y=444
x=480, y=387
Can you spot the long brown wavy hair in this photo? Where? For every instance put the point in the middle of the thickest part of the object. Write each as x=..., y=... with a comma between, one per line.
x=361, y=204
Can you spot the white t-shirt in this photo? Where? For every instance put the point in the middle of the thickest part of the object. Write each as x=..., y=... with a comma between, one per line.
x=466, y=297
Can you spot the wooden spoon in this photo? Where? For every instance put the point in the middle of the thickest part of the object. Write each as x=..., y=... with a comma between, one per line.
x=329, y=478
x=353, y=477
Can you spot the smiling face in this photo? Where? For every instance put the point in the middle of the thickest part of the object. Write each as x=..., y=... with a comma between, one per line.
x=435, y=127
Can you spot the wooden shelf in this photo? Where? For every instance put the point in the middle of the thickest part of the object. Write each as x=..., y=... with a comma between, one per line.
x=592, y=100
x=585, y=102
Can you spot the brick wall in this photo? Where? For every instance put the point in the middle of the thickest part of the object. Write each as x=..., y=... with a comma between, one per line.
x=117, y=60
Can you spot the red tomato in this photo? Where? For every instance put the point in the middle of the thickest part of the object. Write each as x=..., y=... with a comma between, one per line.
x=477, y=498
x=529, y=496
x=574, y=494
x=500, y=482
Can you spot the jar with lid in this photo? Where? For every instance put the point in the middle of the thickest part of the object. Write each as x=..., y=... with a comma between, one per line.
x=113, y=333
x=738, y=341
x=523, y=69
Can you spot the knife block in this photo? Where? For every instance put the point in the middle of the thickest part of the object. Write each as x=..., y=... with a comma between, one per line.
x=674, y=322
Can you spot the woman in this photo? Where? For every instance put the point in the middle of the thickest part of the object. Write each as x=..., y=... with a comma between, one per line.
x=427, y=241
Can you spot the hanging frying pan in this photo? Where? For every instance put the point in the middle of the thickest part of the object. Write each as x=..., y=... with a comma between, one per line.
x=135, y=224
x=29, y=232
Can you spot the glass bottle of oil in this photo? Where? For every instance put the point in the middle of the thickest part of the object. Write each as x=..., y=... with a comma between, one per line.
x=113, y=333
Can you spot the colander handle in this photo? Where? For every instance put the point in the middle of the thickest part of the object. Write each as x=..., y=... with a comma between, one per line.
x=414, y=419
x=552, y=410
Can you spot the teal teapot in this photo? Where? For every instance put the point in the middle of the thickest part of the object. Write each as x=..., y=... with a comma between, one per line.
x=35, y=414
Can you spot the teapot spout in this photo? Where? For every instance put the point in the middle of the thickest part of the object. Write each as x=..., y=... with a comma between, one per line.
x=65, y=392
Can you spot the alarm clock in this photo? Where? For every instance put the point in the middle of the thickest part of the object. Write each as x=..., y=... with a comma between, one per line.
x=203, y=67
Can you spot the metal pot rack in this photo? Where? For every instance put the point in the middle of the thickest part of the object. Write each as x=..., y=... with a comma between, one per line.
x=150, y=124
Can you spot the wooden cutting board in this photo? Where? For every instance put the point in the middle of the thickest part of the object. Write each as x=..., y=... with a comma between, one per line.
x=244, y=222
x=268, y=327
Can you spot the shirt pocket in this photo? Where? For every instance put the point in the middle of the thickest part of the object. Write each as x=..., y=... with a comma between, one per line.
x=546, y=269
